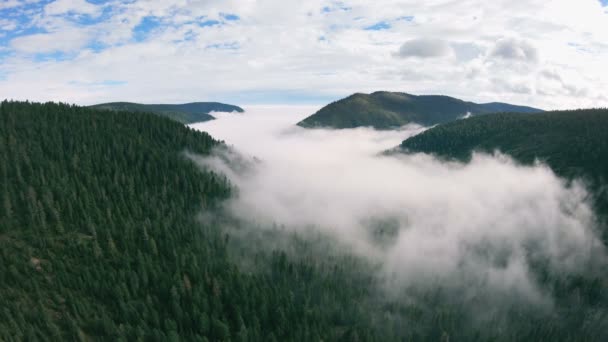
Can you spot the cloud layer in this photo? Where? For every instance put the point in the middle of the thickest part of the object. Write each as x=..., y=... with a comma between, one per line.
x=477, y=227
x=315, y=51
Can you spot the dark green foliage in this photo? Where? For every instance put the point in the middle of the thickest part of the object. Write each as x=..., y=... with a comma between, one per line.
x=99, y=241
x=384, y=110
x=100, y=229
x=573, y=143
x=499, y=107
x=185, y=113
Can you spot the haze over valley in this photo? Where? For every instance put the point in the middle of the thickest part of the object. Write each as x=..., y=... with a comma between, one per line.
x=341, y=183
x=242, y=171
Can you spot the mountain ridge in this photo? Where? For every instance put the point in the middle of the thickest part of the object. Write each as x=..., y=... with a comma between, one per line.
x=386, y=110
x=186, y=113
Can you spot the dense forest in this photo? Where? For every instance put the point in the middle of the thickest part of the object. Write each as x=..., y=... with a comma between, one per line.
x=573, y=143
x=186, y=113
x=102, y=237
x=386, y=110
x=99, y=240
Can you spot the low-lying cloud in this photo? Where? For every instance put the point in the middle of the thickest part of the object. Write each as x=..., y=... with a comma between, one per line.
x=479, y=226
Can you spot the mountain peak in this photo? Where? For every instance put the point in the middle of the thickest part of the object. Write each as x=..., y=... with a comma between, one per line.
x=386, y=110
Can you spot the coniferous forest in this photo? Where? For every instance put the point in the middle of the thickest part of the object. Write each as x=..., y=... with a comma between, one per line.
x=573, y=143
x=101, y=239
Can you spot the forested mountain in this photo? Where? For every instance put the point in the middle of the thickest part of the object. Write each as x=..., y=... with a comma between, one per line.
x=573, y=143
x=185, y=113
x=102, y=238
x=385, y=110
x=499, y=107
x=99, y=241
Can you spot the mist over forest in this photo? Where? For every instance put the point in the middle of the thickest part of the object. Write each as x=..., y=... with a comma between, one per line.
x=477, y=228
x=132, y=225
x=319, y=170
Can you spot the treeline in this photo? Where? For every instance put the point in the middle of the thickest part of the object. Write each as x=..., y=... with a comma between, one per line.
x=99, y=240
x=185, y=113
x=573, y=143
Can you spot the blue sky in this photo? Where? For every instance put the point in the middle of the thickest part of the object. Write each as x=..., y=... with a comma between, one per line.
x=272, y=51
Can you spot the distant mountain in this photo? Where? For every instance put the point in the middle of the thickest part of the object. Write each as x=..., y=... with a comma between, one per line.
x=385, y=110
x=499, y=107
x=573, y=143
x=185, y=113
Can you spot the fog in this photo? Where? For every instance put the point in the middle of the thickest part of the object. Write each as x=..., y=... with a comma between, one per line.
x=477, y=226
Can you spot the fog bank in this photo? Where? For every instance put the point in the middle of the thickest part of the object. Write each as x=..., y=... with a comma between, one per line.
x=480, y=226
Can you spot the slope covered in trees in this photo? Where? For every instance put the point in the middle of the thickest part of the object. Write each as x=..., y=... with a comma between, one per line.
x=573, y=143
x=385, y=110
x=185, y=113
x=101, y=238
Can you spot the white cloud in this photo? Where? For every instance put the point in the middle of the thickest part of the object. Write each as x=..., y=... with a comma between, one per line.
x=7, y=25
x=61, y=41
x=517, y=50
x=6, y=4
x=58, y=7
x=294, y=47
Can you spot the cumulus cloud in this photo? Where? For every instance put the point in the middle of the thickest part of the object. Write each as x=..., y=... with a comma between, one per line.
x=6, y=4
x=517, y=50
x=294, y=49
x=475, y=227
x=58, y=7
x=64, y=41
x=424, y=48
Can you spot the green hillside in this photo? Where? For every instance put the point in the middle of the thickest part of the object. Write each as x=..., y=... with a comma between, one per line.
x=102, y=239
x=185, y=113
x=385, y=110
x=573, y=143
x=99, y=240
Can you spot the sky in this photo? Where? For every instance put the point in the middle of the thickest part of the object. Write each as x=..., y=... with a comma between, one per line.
x=549, y=54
